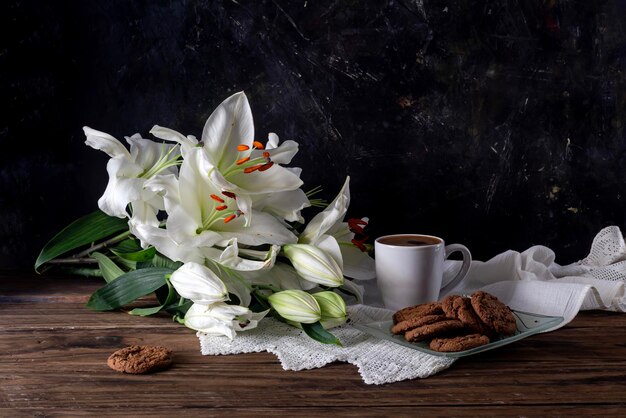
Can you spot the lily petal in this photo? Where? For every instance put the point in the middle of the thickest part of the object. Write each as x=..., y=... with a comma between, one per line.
x=186, y=142
x=120, y=190
x=284, y=205
x=222, y=319
x=230, y=257
x=234, y=281
x=146, y=153
x=231, y=124
x=165, y=245
x=105, y=142
x=264, y=229
x=324, y=220
x=276, y=179
x=356, y=263
x=282, y=276
x=282, y=154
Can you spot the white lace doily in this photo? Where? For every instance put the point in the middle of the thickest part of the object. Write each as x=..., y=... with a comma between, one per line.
x=530, y=281
x=378, y=361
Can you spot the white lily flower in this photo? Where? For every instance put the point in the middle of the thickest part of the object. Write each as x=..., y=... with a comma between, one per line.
x=296, y=305
x=222, y=319
x=328, y=231
x=314, y=264
x=128, y=172
x=197, y=283
x=333, y=309
x=236, y=163
x=201, y=217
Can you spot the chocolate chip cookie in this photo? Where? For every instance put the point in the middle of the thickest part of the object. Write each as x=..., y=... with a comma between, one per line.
x=414, y=322
x=460, y=307
x=433, y=308
x=495, y=314
x=460, y=343
x=139, y=359
x=436, y=329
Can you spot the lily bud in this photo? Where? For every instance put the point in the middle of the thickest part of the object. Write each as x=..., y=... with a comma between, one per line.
x=296, y=305
x=333, y=309
x=196, y=282
x=314, y=264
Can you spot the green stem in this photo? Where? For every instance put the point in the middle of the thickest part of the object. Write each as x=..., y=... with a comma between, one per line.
x=105, y=244
x=260, y=295
x=85, y=260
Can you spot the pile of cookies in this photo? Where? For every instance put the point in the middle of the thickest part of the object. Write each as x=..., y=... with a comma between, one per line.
x=457, y=323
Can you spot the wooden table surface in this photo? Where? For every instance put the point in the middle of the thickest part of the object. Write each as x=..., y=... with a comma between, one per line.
x=54, y=353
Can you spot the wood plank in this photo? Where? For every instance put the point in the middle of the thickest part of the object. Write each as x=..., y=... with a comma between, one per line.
x=48, y=366
x=325, y=412
x=55, y=350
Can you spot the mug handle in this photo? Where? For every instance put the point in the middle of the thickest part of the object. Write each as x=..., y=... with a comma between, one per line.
x=467, y=261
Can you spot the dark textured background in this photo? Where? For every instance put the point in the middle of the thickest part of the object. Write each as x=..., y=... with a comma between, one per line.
x=498, y=124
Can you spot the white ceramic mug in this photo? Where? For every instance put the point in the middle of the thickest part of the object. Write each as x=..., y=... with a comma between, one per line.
x=409, y=268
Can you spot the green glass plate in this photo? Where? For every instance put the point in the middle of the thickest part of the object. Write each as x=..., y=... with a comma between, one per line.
x=527, y=324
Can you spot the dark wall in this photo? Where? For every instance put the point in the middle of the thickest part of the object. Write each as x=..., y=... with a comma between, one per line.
x=499, y=124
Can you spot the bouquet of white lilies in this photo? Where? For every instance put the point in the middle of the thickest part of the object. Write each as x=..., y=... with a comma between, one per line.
x=214, y=229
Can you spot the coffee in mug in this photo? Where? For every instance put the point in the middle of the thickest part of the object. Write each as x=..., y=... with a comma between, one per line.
x=409, y=268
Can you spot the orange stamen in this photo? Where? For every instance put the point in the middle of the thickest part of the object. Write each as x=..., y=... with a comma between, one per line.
x=359, y=245
x=229, y=218
x=258, y=145
x=249, y=170
x=243, y=160
x=229, y=194
x=266, y=155
x=221, y=207
x=266, y=166
x=357, y=229
x=242, y=147
x=217, y=198
x=355, y=225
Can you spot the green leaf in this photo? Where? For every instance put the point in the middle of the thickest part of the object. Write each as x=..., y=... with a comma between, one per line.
x=81, y=271
x=83, y=231
x=128, y=246
x=127, y=288
x=178, y=309
x=146, y=311
x=143, y=255
x=161, y=261
x=110, y=270
x=318, y=333
x=130, y=265
x=171, y=297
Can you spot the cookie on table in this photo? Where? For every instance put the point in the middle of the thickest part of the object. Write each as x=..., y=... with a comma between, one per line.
x=461, y=343
x=414, y=322
x=139, y=359
x=460, y=307
x=495, y=314
x=424, y=309
x=436, y=329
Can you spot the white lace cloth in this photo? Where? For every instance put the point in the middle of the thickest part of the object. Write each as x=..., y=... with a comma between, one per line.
x=530, y=281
